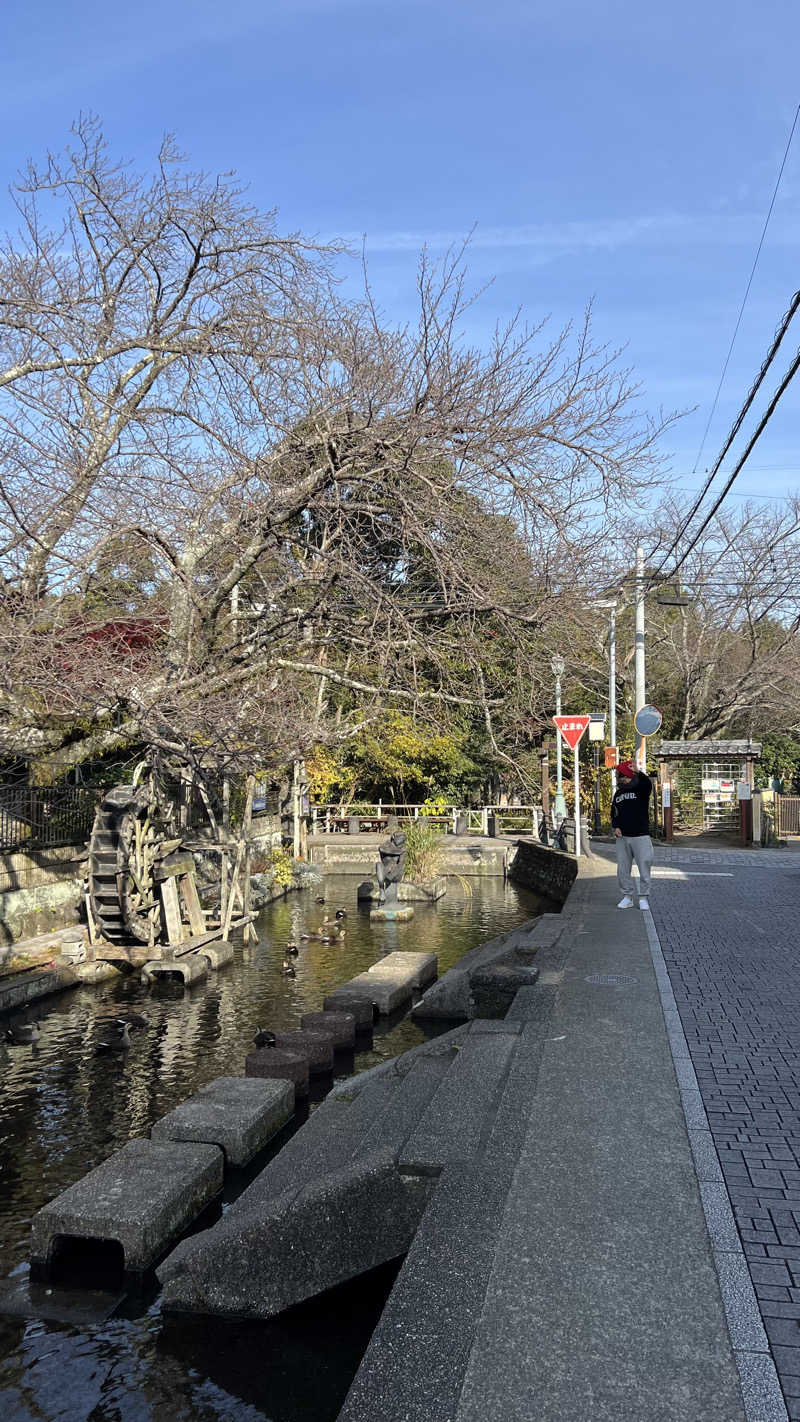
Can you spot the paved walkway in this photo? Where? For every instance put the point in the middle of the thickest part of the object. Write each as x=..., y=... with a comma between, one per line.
x=585, y=1267
x=729, y=928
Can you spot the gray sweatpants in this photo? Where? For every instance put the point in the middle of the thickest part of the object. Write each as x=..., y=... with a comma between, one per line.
x=640, y=848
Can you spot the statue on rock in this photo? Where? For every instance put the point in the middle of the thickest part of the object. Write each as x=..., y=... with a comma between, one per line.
x=390, y=867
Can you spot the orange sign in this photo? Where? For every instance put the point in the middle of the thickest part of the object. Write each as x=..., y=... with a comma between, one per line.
x=612, y=757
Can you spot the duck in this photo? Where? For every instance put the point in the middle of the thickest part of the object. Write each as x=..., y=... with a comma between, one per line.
x=23, y=1034
x=341, y=913
x=120, y=1043
x=292, y=950
x=287, y=969
x=320, y=899
x=263, y=1038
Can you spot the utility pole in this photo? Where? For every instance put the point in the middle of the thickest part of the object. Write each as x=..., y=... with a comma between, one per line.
x=638, y=664
x=559, y=802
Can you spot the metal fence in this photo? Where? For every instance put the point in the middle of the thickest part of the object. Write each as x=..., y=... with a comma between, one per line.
x=40, y=817
x=788, y=814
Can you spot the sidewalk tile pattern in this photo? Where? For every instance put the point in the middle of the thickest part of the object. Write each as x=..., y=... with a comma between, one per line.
x=732, y=948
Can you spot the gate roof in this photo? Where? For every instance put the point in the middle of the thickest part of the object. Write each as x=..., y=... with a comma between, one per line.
x=710, y=750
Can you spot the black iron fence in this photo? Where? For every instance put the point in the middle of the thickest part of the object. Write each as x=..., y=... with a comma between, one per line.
x=40, y=817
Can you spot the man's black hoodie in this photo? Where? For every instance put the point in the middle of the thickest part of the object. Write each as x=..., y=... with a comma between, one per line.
x=630, y=806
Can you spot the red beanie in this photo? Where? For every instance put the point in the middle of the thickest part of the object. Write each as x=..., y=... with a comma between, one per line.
x=627, y=767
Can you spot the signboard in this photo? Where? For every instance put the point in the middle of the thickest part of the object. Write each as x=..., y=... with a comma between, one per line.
x=710, y=784
x=612, y=757
x=743, y=790
x=597, y=728
x=647, y=720
x=666, y=796
x=571, y=728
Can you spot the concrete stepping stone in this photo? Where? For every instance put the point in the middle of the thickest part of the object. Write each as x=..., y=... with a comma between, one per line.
x=142, y=1198
x=317, y=1047
x=219, y=955
x=238, y=1114
x=270, y=1064
x=416, y=968
x=340, y=1026
x=359, y=1005
x=384, y=994
x=192, y=968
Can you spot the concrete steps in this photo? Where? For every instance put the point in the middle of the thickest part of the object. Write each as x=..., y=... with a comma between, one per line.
x=389, y=1138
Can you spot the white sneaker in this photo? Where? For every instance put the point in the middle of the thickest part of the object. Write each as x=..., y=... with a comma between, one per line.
x=625, y=903
x=643, y=903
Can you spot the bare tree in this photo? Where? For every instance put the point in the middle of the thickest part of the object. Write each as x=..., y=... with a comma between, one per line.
x=238, y=512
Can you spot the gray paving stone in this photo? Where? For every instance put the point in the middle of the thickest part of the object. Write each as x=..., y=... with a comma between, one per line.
x=741, y=1307
x=238, y=1114
x=142, y=1197
x=706, y=1160
x=722, y=1229
x=763, y=1398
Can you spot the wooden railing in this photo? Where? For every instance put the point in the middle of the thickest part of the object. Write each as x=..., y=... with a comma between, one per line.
x=451, y=819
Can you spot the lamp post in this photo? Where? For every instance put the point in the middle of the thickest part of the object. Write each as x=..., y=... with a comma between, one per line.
x=559, y=803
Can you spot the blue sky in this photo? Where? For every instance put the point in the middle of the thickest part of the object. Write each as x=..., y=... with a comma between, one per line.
x=604, y=150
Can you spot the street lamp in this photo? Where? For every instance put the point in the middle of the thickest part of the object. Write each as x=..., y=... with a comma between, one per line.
x=559, y=803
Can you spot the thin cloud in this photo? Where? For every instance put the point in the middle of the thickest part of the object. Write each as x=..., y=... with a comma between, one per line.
x=552, y=239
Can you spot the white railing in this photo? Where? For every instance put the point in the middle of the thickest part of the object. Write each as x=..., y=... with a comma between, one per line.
x=374, y=817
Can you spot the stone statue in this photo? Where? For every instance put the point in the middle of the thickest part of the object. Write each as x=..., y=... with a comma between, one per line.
x=390, y=867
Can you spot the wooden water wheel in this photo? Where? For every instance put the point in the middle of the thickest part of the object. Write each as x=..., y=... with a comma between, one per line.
x=133, y=830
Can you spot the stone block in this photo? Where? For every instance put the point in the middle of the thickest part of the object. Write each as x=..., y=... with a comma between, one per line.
x=269, y=1064
x=392, y=913
x=493, y=989
x=142, y=1198
x=416, y=968
x=358, y=1004
x=340, y=1026
x=317, y=1047
x=256, y=1263
x=384, y=994
x=238, y=1114
x=218, y=955
x=192, y=968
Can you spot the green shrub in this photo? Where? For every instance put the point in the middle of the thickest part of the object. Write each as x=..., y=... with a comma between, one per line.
x=423, y=851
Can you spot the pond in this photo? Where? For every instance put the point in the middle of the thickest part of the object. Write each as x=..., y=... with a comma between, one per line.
x=64, y=1109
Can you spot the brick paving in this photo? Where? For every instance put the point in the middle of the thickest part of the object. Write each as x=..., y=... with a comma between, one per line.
x=731, y=942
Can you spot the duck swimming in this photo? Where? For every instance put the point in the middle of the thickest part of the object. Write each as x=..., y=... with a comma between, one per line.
x=23, y=1034
x=341, y=913
x=119, y=1043
x=287, y=969
x=292, y=950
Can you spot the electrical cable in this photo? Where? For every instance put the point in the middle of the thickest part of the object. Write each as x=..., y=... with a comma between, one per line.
x=734, y=430
x=759, y=430
x=749, y=284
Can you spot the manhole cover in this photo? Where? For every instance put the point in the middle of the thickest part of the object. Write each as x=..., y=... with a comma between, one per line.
x=610, y=979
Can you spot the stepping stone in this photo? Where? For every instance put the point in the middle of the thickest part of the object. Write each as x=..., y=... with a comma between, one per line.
x=142, y=1198
x=357, y=1004
x=219, y=955
x=385, y=994
x=238, y=1114
x=317, y=1047
x=269, y=1064
x=417, y=968
x=192, y=968
x=340, y=1026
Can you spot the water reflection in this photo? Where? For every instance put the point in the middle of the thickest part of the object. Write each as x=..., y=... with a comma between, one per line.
x=63, y=1109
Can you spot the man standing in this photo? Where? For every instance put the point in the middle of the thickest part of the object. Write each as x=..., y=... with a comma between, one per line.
x=630, y=821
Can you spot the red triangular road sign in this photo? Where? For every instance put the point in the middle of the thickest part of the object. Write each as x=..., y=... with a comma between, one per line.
x=572, y=728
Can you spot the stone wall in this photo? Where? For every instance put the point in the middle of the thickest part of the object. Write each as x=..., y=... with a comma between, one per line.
x=546, y=871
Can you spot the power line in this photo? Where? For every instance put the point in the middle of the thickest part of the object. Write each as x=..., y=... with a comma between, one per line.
x=759, y=430
x=736, y=426
x=747, y=288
